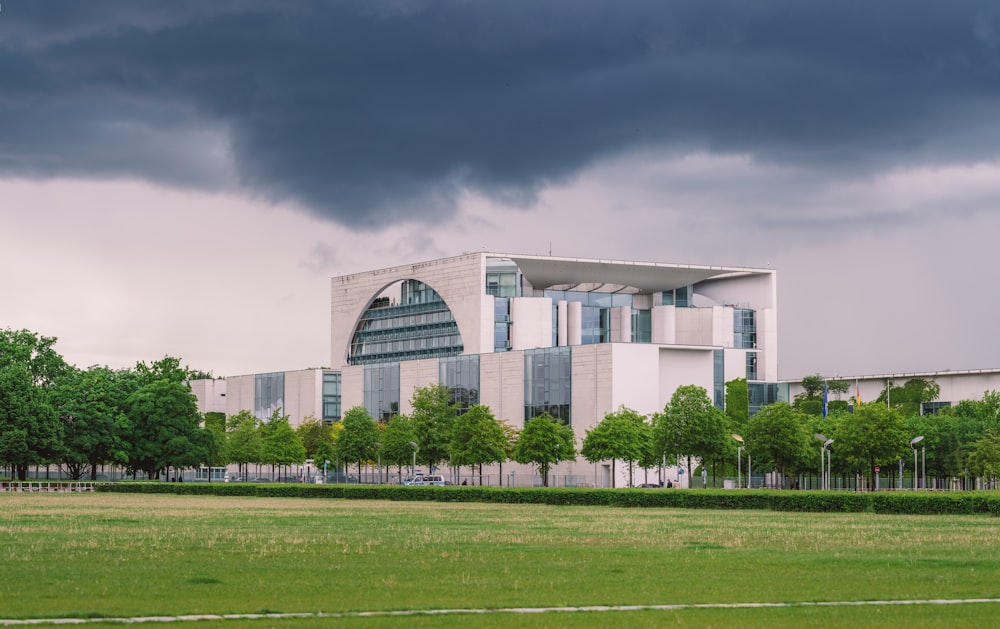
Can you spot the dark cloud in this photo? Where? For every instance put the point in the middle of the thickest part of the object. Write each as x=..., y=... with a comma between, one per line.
x=372, y=112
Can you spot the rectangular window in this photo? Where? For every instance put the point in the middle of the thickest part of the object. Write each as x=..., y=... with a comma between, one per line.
x=761, y=394
x=501, y=324
x=682, y=296
x=548, y=383
x=744, y=328
x=751, y=365
x=268, y=394
x=382, y=390
x=642, y=326
x=331, y=397
x=460, y=375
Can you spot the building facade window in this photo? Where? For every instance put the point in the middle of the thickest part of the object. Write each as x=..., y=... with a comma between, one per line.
x=460, y=375
x=548, y=383
x=503, y=278
x=763, y=393
x=420, y=326
x=268, y=394
x=745, y=328
x=933, y=408
x=382, y=390
x=331, y=397
x=642, y=326
x=751, y=365
x=501, y=324
x=719, y=378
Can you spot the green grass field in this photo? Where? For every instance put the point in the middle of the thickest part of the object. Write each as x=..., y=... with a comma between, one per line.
x=124, y=555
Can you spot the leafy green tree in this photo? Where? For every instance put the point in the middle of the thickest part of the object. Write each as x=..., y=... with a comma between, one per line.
x=984, y=459
x=358, y=438
x=545, y=441
x=93, y=426
x=944, y=454
x=620, y=435
x=215, y=427
x=872, y=435
x=737, y=403
x=778, y=437
x=396, y=439
x=907, y=399
x=433, y=415
x=280, y=444
x=690, y=427
x=166, y=431
x=30, y=431
x=813, y=386
x=838, y=387
x=243, y=441
x=312, y=432
x=477, y=439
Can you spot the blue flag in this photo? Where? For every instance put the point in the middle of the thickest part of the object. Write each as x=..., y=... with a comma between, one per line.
x=826, y=399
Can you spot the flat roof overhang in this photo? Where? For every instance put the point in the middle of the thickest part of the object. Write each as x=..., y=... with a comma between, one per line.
x=545, y=272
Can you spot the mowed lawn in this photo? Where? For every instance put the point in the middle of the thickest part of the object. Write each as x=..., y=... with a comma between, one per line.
x=113, y=555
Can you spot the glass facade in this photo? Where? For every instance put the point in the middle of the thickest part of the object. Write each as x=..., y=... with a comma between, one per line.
x=751, y=366
x=595, y=312
x=331, y=397
x=745, y=328
x=679, y=297
x=548, y=383
x=268, y=394
x=421, y=326
x=763, y=393
x=501, y=324
x=642, y=326
x=503, y=279
x=382, y=390
x=460, y=375
x=719, y=378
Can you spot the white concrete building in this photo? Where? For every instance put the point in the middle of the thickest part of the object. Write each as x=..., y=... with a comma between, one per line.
x=576, y=338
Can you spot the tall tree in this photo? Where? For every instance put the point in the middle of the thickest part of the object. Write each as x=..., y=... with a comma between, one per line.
x=433, y=415
x=312, y=432
x=477, y=439
x=93, y=425
x=30, y=431
x=280, y=444
x=690, y=427
x=872, y=435
x=243, y=441
x=166, y=429
x=909, y=397
x=779, y=437
x=620, y=435
x=358, y=438
x=545, y=441
x=396, y=440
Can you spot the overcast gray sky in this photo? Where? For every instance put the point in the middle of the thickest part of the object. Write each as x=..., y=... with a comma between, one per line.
x=183, y=178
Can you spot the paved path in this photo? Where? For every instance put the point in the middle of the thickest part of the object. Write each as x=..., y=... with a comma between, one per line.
x=505, y=610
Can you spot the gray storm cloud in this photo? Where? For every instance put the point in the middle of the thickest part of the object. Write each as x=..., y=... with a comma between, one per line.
x=366, y=113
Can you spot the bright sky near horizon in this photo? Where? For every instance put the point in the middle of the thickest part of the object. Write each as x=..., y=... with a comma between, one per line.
x=185, y=178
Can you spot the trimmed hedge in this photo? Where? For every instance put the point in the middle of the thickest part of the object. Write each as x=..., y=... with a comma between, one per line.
x=911, y=502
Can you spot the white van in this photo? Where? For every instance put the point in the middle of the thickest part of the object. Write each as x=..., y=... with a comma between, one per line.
x=429, y=479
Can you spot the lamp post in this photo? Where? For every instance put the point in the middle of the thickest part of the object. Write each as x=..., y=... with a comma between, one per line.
x=413, y=468
x=913, y=444
x=739, y=460
x=824, y=458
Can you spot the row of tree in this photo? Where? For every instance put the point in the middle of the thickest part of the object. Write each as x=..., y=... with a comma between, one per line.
x=144, y=419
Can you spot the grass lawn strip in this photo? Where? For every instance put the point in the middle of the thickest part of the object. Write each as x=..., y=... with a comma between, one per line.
x=101, y=556
x=451, y=612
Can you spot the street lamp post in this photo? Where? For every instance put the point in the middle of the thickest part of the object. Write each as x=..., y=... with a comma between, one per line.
x=913, y=444
x=739, y=460
x=824, y=461
x=413, y=468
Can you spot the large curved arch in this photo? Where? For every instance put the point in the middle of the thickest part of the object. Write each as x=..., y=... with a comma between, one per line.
x=417, y=323
x=459, y=281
